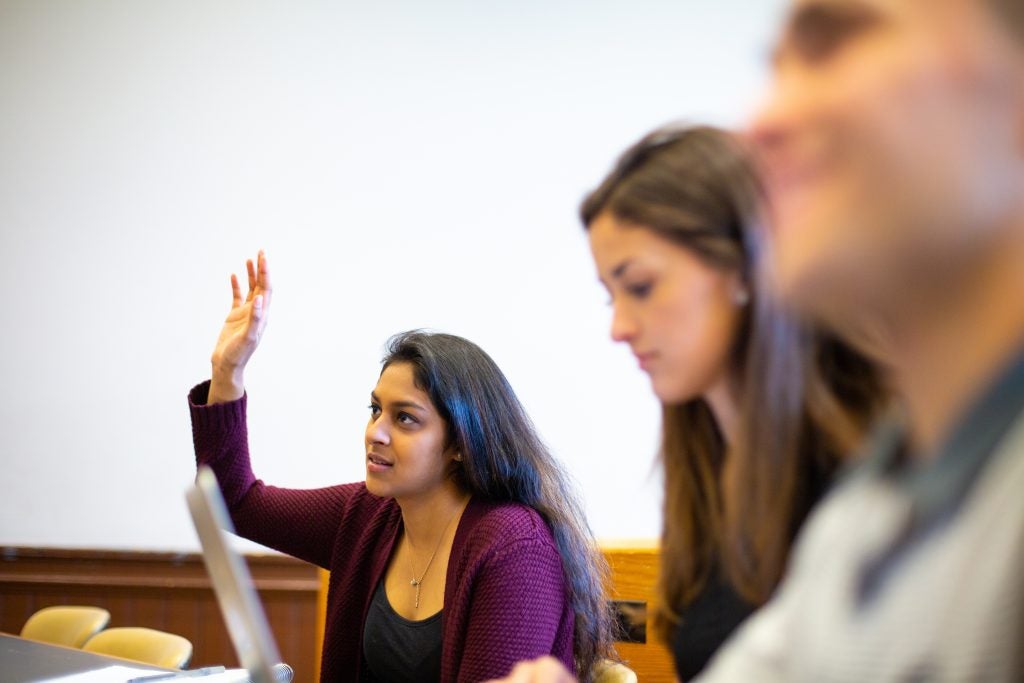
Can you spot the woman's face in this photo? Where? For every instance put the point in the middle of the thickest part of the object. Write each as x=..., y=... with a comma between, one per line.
x=679, y=315
x=405, y=439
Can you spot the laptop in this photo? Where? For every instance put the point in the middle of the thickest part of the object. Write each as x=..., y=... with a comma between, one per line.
x=239, y=603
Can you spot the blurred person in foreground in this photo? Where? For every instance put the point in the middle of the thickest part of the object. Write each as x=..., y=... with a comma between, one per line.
x=893, y=140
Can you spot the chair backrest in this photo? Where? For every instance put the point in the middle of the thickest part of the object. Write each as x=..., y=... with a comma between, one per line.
x=65, y=625
x=142, y=645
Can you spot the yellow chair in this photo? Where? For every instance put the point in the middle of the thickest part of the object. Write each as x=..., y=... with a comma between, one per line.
x=65, y=625
x=142, y=645
x=613, y=672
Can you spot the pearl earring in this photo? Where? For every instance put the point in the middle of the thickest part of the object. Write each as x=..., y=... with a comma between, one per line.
x=741, y=297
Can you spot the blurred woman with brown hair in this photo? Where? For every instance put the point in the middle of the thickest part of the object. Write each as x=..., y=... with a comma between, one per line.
x=758, y=411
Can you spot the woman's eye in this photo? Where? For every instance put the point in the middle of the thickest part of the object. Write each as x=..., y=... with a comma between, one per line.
x=639, y=291
x=374, y=409
x=406, y=419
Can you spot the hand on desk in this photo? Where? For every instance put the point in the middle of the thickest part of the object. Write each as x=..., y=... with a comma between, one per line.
x=543, y=670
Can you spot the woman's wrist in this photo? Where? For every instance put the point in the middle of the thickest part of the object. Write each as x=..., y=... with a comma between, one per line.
x=226, y=384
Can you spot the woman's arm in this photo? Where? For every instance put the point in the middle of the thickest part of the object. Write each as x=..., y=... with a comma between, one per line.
x=302, y=523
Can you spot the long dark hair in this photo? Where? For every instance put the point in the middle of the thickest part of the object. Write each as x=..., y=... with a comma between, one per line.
x=806, y=398
x=503, y=459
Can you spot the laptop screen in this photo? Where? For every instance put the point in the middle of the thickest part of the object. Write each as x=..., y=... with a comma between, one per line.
x=239, y=603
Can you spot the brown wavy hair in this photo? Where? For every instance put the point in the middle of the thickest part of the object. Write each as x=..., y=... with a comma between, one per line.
x=806, y=398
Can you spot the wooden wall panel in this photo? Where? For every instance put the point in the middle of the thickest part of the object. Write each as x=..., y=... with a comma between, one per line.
x=634, y=576
x=166, y=591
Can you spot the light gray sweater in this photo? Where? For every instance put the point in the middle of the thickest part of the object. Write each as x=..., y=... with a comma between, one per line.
x=906, y=572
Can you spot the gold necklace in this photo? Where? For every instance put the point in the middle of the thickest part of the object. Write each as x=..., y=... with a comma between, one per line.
x=415, y=583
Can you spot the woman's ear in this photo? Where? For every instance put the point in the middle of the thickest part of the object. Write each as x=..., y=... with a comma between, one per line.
x=740, y=290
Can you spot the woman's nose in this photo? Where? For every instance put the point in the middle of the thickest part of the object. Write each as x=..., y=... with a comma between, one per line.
x=623, y=324
x=376, y=431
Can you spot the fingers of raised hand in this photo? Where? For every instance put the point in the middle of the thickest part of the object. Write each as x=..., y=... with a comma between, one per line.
x=236, y=292
x=259, y=285
x=263, y=275
x=251, y=271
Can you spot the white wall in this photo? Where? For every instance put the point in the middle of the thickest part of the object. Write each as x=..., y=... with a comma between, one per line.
x=405, y=164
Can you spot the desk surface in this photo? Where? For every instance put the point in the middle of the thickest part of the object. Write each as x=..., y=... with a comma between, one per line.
x=25, y=661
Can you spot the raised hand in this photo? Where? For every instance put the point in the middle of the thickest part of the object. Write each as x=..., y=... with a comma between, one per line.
x=241, y=334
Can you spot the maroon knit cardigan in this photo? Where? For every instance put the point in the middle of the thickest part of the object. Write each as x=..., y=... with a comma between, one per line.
x=505, y=596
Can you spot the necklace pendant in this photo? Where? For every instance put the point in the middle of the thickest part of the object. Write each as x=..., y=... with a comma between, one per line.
x=414, y=582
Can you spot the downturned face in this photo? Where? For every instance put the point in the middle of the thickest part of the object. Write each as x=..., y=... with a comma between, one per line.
x=892, y=140
x=679, y=315
x=406, y=455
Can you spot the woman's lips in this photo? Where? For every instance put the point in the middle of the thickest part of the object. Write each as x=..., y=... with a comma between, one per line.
x=644, y=359
x=375, y=463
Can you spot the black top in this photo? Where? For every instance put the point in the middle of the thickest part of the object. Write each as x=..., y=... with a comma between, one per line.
x=711, y=617
x=705, y=624
x=399, y=650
